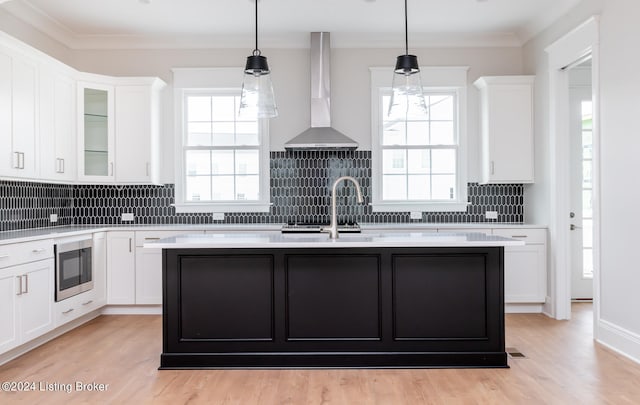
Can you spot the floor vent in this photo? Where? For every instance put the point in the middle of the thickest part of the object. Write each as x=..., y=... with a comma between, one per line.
x=515, y=353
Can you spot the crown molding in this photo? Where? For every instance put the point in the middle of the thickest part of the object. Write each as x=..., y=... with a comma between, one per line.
x=40, y=21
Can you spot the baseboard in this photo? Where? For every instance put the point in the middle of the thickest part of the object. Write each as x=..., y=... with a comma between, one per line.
x=132, y=310
x=39, y=341
x=619, y=339
x=547, y=307
x=523, y=308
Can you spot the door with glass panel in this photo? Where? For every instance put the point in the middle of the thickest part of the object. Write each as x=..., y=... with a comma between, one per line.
x=95, y=132
x=581, y=214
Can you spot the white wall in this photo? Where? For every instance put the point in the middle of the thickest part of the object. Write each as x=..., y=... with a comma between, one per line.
x=619, y=323
x=350, y=89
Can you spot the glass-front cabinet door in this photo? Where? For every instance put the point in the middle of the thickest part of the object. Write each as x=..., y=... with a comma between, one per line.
x=96, y=132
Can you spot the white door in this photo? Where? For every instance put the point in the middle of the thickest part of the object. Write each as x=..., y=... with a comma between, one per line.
x=581, y=213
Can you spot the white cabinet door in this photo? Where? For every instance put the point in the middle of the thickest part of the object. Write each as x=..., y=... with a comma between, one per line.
x=525, y=267
x=137, y=110
x=9, y=337
x=6, y=152
x=149, y=266
x=133, y=134
x=18, y=120
x=525, y=277
x=26, y=302
x=36, y=302
x=24, y=98
x=121, y=276
x=148, y=276
x=57, y=125
x=507, y=129
x=96, y=142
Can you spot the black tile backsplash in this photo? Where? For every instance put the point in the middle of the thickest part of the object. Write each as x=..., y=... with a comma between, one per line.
x=28, y=205
x=300, y=188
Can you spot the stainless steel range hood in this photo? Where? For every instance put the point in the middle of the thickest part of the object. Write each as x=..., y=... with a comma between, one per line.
x=321, y=136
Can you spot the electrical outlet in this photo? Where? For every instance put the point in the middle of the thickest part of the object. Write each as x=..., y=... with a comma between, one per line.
x=218, y=216
x=491, y=214
x=415, y=215
x=127, y=216
x=53, y=218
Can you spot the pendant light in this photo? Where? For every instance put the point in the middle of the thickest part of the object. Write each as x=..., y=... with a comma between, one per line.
x=257, y=97
x=407, y=99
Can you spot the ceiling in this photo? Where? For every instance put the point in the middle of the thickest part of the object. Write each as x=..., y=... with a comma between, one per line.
x=85, y=24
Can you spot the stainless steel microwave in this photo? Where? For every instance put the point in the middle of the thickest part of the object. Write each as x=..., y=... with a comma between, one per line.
x=73, y=268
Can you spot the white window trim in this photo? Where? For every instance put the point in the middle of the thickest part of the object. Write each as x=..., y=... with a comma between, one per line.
x=440, y=78
x=194, y=80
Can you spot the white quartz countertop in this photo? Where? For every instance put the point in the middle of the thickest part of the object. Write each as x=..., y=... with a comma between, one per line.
x=256, y=240
x=56, y=232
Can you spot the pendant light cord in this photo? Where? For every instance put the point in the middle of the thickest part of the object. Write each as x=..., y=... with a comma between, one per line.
x=406, y=30
x=257, y=51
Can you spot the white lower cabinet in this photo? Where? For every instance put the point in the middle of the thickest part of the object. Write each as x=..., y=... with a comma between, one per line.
x=74, y=307
x=134, y=273
x=99, y=267
x=26, y=294
x=36, y=303
x=149, y=266
x=525, y=267
x=8, y=308
x=121, y=273
x=148, y=276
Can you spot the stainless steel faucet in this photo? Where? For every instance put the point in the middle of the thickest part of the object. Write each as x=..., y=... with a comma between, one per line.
x=333, y=226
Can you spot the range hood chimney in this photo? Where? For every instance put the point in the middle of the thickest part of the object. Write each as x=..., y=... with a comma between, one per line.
x=321, y=136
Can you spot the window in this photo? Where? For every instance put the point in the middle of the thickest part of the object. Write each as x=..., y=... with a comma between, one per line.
x=587, y=189
x=223, y=162
x=419, y=164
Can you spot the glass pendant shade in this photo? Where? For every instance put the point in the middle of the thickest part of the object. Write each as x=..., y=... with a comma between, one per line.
x=407, y=99
x=257, y=99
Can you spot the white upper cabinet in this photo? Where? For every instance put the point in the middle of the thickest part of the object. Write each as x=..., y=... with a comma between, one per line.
x=57, y=124
x=96, y=132
x=137, y=119
x=18, y=114
x=63, y=125
x=6, y=154
x=119, y=130
x=507, y=128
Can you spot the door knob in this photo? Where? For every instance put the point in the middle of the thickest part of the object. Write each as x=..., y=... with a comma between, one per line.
x=573, y=227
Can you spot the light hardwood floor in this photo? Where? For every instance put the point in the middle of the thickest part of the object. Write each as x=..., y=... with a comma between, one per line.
x=562, y=366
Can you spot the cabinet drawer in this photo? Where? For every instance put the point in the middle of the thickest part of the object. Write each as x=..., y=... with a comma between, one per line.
x=530, y=236
x=19, y=253
x=465, y=230
x=74, y=307
x=149, y=236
